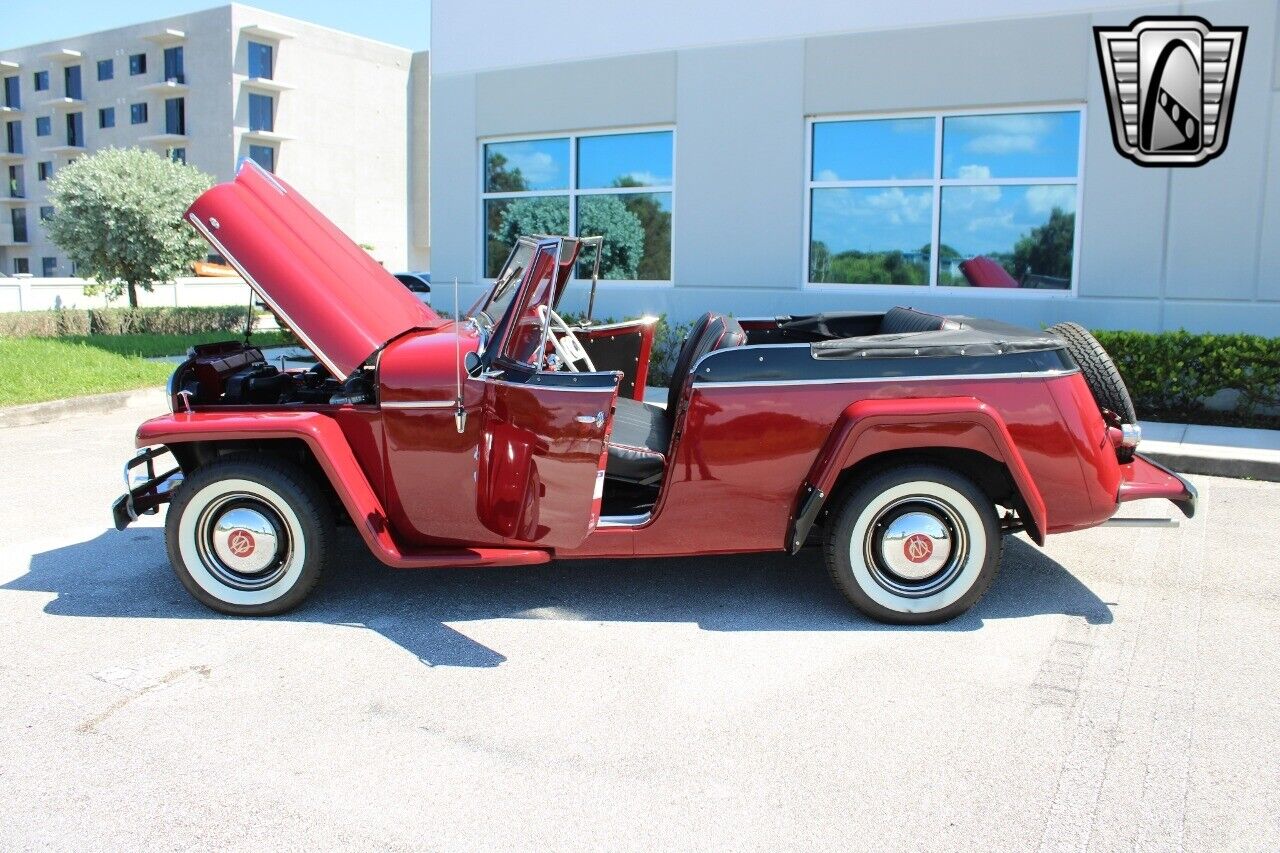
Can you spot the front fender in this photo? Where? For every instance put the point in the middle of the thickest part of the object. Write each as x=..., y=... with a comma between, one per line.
x=870, y=427
x=322, y=435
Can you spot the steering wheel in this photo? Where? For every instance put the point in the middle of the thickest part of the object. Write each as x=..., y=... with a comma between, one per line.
x=566, y=344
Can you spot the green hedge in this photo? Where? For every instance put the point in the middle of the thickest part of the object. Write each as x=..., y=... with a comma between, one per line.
x=1173, y=373
x=65, y=322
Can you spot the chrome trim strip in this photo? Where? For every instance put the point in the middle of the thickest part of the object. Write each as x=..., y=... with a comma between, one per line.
x=419, y=404
x=609, y=327
x=535, y=387
x=945, y=377
x=267, y=176
x=257, y=288
x=624, y=520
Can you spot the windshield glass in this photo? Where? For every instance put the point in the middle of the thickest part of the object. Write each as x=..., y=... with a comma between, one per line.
x=505, y=286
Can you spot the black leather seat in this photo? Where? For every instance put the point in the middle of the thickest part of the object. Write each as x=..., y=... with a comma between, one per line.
x=641, y=432
x=898, y=321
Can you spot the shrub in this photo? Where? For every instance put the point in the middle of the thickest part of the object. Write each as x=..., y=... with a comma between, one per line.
x=1176, y=372
x=67, y=322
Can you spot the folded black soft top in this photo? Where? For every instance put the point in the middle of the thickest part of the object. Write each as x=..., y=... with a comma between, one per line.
x=958, y=336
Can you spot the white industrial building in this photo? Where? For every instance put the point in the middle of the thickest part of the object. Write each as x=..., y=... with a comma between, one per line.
x=823, y=155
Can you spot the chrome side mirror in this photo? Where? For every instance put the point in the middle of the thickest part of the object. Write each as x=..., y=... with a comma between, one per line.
x=471, y=362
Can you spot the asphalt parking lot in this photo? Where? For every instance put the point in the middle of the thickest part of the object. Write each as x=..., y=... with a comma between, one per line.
x=1117, y=690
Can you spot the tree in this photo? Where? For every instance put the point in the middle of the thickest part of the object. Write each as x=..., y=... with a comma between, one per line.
x=597, y=214
x=118, y=215
x=1047, y=249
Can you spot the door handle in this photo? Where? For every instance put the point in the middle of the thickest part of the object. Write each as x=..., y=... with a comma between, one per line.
x=597, y=419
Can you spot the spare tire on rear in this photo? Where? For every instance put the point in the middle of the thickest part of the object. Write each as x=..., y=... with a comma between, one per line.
x=1099, y=370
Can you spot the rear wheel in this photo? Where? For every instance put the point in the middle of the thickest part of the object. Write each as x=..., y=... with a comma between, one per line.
x=248, y=535
x=915, y=544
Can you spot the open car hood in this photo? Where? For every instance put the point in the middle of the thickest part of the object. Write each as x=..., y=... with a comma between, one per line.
x=336, y=298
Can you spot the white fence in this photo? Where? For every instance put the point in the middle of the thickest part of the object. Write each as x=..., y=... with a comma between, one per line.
x=41, y=294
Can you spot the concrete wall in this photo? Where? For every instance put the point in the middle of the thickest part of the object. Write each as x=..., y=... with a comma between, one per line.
x=1158, y=248
x=419, y=162
x=40, y=294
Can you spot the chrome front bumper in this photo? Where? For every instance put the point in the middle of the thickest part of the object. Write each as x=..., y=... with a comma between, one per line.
x=146, y=492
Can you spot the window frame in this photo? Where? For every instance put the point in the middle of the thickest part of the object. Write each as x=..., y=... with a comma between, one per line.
x=937, y=183
x=140, y=65
x=109, y=65
x=572, y=192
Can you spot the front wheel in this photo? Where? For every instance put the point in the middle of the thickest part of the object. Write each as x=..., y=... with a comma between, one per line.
x=914, y=545
x=247, y=535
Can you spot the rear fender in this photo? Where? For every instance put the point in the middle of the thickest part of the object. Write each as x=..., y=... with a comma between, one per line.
x=870, y=427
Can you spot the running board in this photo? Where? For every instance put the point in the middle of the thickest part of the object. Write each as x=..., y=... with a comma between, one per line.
x=1140, y=522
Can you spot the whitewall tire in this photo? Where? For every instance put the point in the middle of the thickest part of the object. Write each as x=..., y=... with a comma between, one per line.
x=248, y=535
x=915, y=544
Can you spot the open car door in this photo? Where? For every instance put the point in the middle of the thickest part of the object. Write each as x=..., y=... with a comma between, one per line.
x=542, y=446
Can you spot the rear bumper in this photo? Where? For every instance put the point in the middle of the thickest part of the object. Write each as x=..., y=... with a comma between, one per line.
x=1143, y=478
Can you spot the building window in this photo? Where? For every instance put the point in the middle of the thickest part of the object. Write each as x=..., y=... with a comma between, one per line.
x=264, y=156
x=137, y=64
x=107, y=117
x=17, y=182
x=40, y=81
x=75, y=129
x=261, y=60
x=71, y=82
x=18, y=218
x=262, y=112
x=106, y=69
x=48, y=267
x=619, y=185
x=173, y=70
x=12, y=94
x=138, y=113
x=178, y=155
x=44, y=170
x=950, y=200
x=46, y=212
x=13, y=137
x=44, y=125
x=21, y=266
x=175, y=116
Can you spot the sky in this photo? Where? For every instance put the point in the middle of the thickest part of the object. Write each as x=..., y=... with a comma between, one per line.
x=406, y=23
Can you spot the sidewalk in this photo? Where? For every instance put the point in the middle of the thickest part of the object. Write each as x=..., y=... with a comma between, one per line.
x=1216, y=450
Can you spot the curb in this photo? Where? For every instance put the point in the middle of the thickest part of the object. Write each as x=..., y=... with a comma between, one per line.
x=95, y=404
x=1217, y=466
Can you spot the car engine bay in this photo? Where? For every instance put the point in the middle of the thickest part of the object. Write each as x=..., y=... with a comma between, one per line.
x=235, y=373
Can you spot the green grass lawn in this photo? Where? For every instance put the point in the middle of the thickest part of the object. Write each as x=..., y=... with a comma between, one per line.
x=33, y=370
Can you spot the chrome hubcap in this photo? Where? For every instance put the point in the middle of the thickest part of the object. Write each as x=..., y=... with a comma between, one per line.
x=243, y=542
x=915, y=546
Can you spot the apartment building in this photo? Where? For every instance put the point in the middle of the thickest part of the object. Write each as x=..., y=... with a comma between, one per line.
x=326, y=110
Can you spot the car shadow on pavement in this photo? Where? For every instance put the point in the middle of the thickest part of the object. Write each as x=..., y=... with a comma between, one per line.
x=123, y=575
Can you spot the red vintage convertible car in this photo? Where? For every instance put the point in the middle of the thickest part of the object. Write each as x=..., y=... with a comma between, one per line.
x=907, y=443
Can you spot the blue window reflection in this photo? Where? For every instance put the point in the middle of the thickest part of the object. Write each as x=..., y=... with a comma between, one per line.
x=889, y=149
x=535, y=164
x=625, y=160
x=1024, y=145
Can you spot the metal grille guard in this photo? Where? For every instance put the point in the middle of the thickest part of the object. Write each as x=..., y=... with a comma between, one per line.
x=146, y=497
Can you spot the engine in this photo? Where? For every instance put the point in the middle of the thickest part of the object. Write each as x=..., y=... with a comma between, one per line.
x=232, y=373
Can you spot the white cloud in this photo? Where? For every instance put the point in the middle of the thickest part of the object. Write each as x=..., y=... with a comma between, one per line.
x=971, y=172
x=649, y=179
x=538, y=167
x=827, y=175
x=1043, y=198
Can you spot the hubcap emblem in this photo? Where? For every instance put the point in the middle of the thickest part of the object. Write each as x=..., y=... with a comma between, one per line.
x=241, y=543
x=917, y=548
